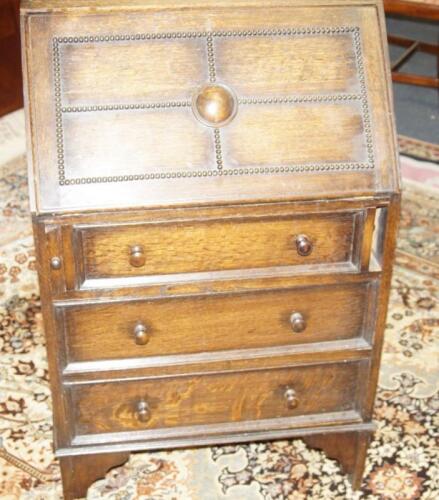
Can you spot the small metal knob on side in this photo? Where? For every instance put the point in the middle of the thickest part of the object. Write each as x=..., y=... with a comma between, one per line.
x=141, y=334
x=303, y=245
x=298, y=323
x=137, y=256
x=143, y=411
x=55, y=263
x=291, y=398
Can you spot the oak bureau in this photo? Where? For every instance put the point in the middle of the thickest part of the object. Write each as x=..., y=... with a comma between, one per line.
x=215, y=193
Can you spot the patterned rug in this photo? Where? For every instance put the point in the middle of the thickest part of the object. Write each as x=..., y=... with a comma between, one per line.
x=403, y=459
x=417, y=148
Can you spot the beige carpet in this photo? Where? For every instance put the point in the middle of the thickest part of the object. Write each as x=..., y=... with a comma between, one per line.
x=403, y=460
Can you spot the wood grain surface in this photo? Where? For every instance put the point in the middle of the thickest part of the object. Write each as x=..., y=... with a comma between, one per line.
x=297, y=134
x=158, y=71
x=215, y=245
x=210, y=399
x=101, y=163
x=270, y=66
x=152, y=225
x=262, y=319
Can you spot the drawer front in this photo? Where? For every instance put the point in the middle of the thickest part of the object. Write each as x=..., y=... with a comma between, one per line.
x=219, y=245
x=209, y=323
x=215, y=398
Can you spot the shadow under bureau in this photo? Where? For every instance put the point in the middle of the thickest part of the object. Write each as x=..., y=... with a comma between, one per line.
x=215, y=195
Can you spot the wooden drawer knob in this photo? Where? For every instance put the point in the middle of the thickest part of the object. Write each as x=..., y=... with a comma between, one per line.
x=143, y=411
x=141, y=334
x=137, y=256
x=291, y=398
x=298, y=323
x=303, y=245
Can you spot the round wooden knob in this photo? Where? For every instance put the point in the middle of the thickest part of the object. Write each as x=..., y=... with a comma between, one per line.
x=298, y=323
x=141, y=334
x=214, y=104
x=303, y=245
x=291, y=398
x=55, y=263
x=143, y=411
x=137, y=256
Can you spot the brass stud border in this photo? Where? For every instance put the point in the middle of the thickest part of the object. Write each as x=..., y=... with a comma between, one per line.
x=316, y=30
x=125, y=107
x=212, y=78
x=211, y=58
x=364, y=100
x=218, y=150
x=300, y=99
x=170, y=105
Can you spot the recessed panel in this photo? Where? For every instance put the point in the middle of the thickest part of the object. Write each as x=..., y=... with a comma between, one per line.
x=285, y=65
x=216, y=398
x=118, y=71
x=117, y=143
x=295, y=134
x=138, y=98
x=190, y=246
x=264, y=320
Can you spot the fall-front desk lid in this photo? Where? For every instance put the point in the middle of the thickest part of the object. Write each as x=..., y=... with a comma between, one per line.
x=135, y=105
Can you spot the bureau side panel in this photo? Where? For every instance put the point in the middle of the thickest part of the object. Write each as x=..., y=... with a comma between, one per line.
x=47, y=243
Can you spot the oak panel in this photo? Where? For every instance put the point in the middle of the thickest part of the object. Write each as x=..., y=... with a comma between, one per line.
x=159, y=70
x=321, y=65
x=262, y=320
x=283, y=135
x=143, y=139
x=185, y=247
x=133, y=5
x=282, y=66
x=228, y=397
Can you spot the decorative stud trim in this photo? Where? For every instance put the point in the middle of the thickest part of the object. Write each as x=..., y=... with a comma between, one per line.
x=211, y=59
x=364, y=100
x=300, y=99
x=58, y=113
x=126, y=107
x=218, y=152
x=301, y=168
x=212, y=78
x=248, y=101
x=323, y=30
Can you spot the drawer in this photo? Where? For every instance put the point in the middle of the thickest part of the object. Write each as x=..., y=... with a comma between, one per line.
x=196, y=324
x=113, y=407
x=205, y=246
